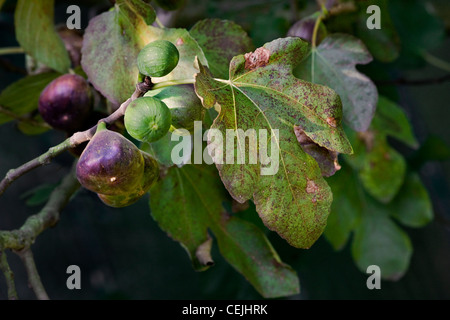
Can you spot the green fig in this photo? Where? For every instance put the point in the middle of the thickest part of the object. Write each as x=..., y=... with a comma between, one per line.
x=147, y=119
x=158, y=58
x=183, y=103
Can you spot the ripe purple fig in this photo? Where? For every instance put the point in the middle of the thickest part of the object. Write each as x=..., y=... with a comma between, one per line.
x=151, y=173
x=110, y=164
x=65, y=103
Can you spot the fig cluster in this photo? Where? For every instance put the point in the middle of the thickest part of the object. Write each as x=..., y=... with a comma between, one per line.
x=114, y=168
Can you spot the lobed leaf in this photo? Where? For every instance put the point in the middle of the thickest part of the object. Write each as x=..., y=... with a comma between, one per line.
x=379, y=241
x=381, y=168
x=333, y=63
x=263, y=95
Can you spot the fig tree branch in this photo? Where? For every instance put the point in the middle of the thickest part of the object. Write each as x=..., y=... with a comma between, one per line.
x=76, y=139
x=24, y=237
x=9, y=276
x=34, y=279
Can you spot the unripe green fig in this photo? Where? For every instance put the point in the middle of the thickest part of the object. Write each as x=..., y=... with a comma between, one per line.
x=158, y=58
x=183, y=103
x=65, y=103
x=110, y=164
x=147, y=119
x=151, y=173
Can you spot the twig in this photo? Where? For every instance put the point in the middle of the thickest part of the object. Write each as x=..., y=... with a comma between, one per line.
x=33, y=276
x=76, y=139
x=408, y=82
x=22, y=238
x=9, y=276
x=8, y=66
x=11, y=50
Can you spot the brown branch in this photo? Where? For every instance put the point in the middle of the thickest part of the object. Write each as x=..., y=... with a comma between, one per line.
x=71, y=142
x=9, y=276
x=34, y=279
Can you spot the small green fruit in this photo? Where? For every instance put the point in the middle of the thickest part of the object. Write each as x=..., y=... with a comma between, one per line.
x=158, y=58
x=183, y=103
x=147, y=119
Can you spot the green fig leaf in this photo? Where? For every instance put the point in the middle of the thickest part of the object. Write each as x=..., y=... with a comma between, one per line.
x=381, y=168
x=346, y=209
x=333, y=63
x=412, y=207
x=188, y=201
x=291, y=196
x=379, y=241
x=36, y=34
x=391, y=120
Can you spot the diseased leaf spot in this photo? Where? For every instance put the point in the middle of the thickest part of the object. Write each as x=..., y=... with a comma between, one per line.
x=332, y=122
x=179, y=42
x=258, y=58
x=311, y=187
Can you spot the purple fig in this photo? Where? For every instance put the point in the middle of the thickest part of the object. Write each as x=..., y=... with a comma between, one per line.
x=110, y=164
x=65, y=103
x=151, y=173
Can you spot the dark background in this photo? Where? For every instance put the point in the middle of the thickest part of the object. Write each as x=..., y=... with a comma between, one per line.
x=124, y=255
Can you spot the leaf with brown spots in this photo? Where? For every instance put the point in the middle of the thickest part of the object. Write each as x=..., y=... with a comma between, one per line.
x=293, y=199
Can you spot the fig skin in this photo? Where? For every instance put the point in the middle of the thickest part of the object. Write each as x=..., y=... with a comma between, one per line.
x=93, y=119
x=184, y=105
x=151, y=174
x=110, y=164
x=147, y=119
x=65, y=103
x=158, y=58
